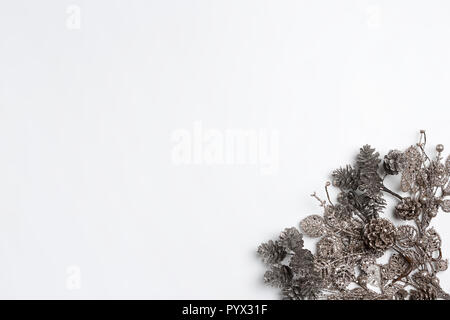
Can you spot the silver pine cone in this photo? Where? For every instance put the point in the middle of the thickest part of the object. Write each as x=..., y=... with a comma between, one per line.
x=394, y=162
x=379, y=234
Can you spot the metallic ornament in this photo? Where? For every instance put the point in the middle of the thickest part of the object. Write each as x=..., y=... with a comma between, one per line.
x=353, y=236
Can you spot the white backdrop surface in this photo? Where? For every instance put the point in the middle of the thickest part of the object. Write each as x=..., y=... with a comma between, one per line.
x=92, y=93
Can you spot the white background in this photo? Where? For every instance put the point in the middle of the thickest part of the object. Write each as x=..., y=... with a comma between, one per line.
x=86, y=118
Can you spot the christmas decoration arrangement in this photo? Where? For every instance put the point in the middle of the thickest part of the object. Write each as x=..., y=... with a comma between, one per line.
x=354, y=234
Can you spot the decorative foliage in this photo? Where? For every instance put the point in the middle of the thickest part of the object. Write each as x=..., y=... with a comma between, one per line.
x=353, y=236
